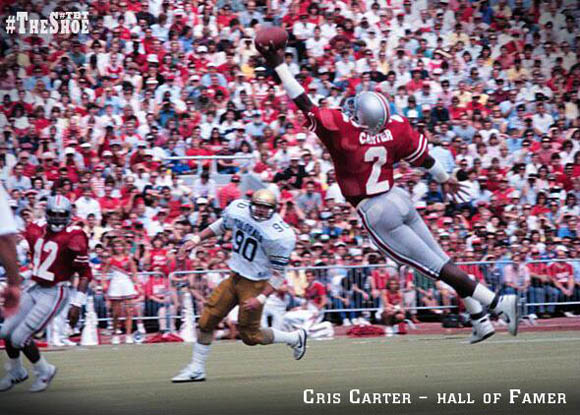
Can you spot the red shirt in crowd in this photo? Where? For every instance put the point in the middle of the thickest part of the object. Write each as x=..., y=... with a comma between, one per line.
x=315, y=292
x=156, y=285
x=560, y=272
x=380, y=278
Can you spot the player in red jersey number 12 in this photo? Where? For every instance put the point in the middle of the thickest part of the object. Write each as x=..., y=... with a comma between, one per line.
x=58, y=252
x=364, y=147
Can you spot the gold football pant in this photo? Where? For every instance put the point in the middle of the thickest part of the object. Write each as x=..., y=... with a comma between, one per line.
x=231, y=292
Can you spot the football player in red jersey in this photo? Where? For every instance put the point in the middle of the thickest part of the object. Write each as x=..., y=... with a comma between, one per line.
x=58, y=252
x=364, y=149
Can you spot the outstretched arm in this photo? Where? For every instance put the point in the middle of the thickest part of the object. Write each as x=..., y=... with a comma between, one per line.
x=275, y=59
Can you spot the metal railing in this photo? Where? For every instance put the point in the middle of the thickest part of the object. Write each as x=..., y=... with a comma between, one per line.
x=541, y=298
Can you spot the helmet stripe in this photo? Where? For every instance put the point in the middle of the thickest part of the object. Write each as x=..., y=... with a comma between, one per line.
x=385, y=104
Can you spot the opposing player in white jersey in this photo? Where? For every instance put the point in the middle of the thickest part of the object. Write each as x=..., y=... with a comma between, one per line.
x=261, y=246
x=58, y=252
x=9, y=256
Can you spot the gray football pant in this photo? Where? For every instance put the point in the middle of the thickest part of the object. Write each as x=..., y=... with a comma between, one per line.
x=38, y=306
x=398, y=230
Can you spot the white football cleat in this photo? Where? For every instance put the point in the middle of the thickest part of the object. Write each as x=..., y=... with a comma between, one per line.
x=115, y=340
x=188, y=374
x=129, y=339
x=13, y=377
x=43, y=379
x=346, y=322
x=507, y=310
x=482, y=329
x=300, y=348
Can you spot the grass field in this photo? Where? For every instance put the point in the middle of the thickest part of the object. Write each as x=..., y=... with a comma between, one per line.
x=266, y=380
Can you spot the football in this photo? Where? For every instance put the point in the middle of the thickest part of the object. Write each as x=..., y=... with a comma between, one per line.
x=276, y=35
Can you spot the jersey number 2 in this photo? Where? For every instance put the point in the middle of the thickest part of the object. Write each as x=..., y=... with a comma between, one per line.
x=40, y=269
x=377, y=156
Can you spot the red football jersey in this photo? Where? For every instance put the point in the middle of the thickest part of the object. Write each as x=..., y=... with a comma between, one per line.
x=363, y=163
x=57, y=256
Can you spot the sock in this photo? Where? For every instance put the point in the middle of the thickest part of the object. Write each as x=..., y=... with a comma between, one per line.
x=200, y=354
x=15, y=364
x=484, y=295
x=140, y=328
x=41, y=365
x=290, y=338
x=473, y=307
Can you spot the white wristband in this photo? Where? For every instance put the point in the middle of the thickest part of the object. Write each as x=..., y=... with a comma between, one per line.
x=261, y=298
x=79, y=300
x=195, y=239
x=291, y=85
x=438, y=172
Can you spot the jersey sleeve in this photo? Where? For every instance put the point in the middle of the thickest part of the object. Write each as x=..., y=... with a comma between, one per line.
x=79, y=245
x=279, y=251
x=325, y=122
x=234, y=208
x=7, y=224
x=412, y=146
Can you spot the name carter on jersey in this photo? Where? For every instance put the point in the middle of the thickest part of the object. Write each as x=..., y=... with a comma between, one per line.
x=383, y=137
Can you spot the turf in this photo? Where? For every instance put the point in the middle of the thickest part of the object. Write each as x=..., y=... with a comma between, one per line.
x=266, y=380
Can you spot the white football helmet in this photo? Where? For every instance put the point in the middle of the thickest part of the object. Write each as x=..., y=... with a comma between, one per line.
x=370, y=110
x=58, y=213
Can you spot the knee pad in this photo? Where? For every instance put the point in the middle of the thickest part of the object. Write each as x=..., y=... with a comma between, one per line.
x=251, y=338
x=20, y=337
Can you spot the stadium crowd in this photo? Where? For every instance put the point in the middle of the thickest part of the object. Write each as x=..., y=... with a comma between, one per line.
x=494, y=85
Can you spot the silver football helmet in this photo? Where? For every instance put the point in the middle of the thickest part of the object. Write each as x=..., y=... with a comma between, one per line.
x=58, y=213
x=370, y=110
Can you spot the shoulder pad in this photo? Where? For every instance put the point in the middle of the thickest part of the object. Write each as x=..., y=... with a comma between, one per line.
x=397, y=118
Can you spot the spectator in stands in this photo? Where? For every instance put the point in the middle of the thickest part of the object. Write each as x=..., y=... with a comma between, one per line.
x=310, y=200
x=392, y=299
x=158, y=301
x=561, y=284
x=229, y=192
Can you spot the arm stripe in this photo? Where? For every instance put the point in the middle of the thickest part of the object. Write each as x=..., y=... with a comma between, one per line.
x=417, y=150
x=417, y=154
